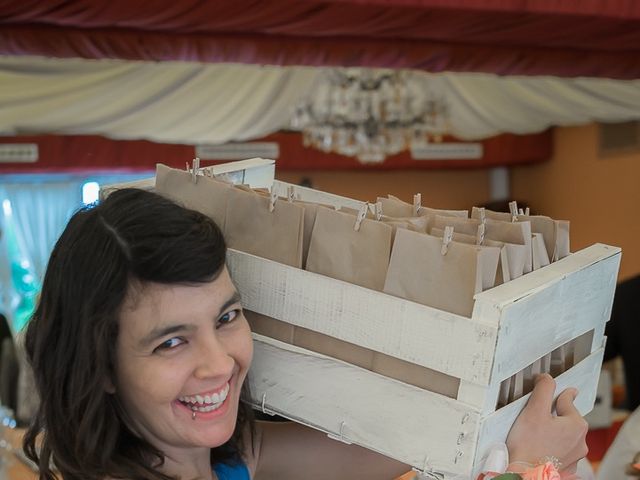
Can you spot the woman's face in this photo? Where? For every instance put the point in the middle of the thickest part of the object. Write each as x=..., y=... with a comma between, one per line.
x=180, y=350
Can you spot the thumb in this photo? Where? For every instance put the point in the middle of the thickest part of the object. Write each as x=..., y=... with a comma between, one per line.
x=564, y=403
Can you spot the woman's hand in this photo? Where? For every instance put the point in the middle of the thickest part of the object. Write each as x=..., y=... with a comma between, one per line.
x=537, y=433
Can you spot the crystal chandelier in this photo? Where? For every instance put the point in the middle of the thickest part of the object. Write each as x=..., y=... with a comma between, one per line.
x=371, y=113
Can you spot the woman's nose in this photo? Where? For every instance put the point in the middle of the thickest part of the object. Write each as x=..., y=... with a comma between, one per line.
x=213, y=358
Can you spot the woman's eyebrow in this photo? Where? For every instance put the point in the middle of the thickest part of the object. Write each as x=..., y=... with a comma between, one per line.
x=160, y=332
x=235, y=298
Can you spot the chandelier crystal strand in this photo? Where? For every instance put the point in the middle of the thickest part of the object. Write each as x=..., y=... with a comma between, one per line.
x=371, y=113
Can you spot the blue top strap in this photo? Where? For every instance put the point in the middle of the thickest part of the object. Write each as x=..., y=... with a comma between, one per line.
x=238, y=471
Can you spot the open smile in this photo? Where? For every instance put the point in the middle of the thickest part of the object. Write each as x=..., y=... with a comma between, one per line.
x=208, y=402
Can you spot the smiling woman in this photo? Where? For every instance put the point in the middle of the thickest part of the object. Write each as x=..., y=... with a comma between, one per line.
x=140, y=351
x=138, y=318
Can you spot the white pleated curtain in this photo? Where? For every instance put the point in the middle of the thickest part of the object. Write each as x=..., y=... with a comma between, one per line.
x=193, y=103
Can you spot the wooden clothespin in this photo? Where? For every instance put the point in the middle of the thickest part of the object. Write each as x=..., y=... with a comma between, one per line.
x=194, y=170
x=361, y=216
x=480, y=234
x=417, y=203
x=513, y=208
x=272, y=200
x=447, y=237
x=527, y=212
x=483, y=215
x=378, y=210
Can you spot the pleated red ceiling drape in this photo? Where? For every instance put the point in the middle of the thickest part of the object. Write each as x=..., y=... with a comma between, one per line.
x=530, y=37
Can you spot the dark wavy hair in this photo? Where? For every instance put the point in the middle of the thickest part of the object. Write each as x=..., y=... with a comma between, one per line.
x=132, y=236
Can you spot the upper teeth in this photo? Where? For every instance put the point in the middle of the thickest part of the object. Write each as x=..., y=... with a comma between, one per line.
x=207, y=399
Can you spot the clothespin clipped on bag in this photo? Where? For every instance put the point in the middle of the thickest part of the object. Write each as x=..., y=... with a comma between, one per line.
x=377, y=210
x=513, y=208
x=194, y=170
x=272, y=200
x=447, y=237
x=361, y=216
x=527, y=212
x=480, y=234
x=417, y=203
x=290, y=194
x=483, y=215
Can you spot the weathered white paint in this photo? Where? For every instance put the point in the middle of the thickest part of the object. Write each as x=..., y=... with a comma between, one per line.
x=316, y=196
x=384, y=415
x=584, y=376
x=445, y=342
x=574, y=300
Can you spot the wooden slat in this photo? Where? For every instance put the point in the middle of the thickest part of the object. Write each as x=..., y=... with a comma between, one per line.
x=442, y=341
x=575, y=300
x=398, y=420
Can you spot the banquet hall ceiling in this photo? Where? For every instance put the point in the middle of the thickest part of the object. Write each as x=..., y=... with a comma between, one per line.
x=595, y=38
x=194, y=72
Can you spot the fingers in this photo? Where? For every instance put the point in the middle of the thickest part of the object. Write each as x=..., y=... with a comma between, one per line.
x=564, y=403
x=541, y=399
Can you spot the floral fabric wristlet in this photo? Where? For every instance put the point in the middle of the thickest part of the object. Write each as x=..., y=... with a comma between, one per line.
x=498, y=468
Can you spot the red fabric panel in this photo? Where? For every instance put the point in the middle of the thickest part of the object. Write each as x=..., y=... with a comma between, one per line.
x=94, y=153
x=601, y=8
x=271, y=50
x=500, y=150
x=565, y=38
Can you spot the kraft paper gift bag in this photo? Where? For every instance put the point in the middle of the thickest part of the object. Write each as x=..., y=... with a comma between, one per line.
x=554, y=232
x=489, y=279
x=540, y=257
x=417, y=375
x=424, y=269
x=518, y=233
x=427, y=211
x=415, y=224
x=333, y=347
x=310, y=212
x=357, y=254
x=206, y=195
x=267, y=227
x=467, y=226
x=269, y=327
x=394, y=207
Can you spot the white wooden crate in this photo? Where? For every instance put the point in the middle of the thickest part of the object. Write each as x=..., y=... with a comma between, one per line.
x=512, y=325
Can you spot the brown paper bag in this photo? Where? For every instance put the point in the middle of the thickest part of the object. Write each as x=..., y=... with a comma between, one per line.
x=540, y=258
x=467, y=226
x=518, y=233
x=269, y=326
x=430, y=212
x=337, y=250
x=394, y=207
x=489, y=279
x=416, y=375
x=310, y=211
x=252, y=226
x=333, y=347
x=415, y=224
x=554, y=232
x=207, y=195
x=420, y=272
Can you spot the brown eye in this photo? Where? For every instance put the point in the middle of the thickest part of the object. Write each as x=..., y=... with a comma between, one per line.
x=170, y=344
x=229, y=317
